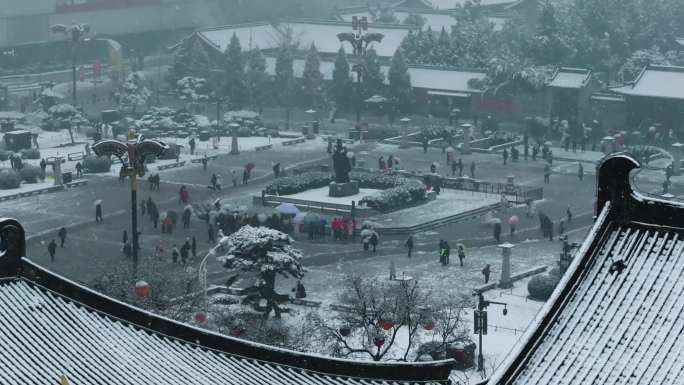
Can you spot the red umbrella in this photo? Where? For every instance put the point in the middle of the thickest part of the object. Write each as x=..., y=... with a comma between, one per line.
x=142, y=289
x=249, y=166
x=201, y=317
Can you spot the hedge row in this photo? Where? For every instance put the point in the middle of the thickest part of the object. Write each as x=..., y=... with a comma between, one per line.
x=398, y=191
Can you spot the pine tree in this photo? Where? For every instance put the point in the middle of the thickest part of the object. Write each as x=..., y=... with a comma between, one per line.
x=399, y=82
x=312, y=78
x=341, y=87
x=284, y=77
x=235, y=88
x=256, y=79
x=374, y=81
x=190, y=59
x=441, y=52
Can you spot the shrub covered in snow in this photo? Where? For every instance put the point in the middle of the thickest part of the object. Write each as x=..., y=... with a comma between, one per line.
x=540, y=287
x=298, y=183
x=94, y=164
x=9, y=179
x=268, y=253
x=135, y=93
x=31, y=174
x=408, y=192
x=30, y=153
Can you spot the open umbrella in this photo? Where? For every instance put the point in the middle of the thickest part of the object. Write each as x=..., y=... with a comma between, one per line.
x=548, y=143
x=287, y=209
x=366, y=233
x=310, y=218
x=450, y=149
x=513, y=220
x=494, y=221
x=97, y=202
x=249, y=166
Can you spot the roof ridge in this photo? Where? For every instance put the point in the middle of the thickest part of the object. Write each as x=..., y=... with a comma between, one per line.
x=293, y=20
x=234, y=26
x=80, y=295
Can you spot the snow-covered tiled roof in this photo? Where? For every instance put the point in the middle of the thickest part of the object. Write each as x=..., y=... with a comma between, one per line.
x=567, y=77
x=51, y=326
x=46, y=335
x=262, y=35
x=657, y=82
x=434, y=78
x=451, y=4
x=617, y=315
x=324, y=35
x=429, y=78
x=436, y=20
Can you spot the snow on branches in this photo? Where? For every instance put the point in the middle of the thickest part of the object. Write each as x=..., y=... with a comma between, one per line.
x=260, y=249
x=135, y=93
x=193, y=89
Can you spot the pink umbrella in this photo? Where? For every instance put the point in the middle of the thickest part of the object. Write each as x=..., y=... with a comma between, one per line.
x=513, y=220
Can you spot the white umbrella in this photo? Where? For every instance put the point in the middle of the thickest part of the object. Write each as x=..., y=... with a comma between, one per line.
x=97, y=202
x=494, y=221
x=366, y=233
x=287, y=208
x=450, y=149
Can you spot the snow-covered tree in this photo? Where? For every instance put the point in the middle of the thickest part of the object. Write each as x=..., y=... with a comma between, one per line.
x=399, y=82
x=374, y=81
x=134, y=92
x=384, y=15
x=234, y=65
x=256, y=79
x=312, y=78
x=414, y=21
x=268, y=253
x=48, y=98
x=284, y=77
x=380, y=314
x=190, y=59
x=193, y=89
x=342, y=84
x=64, y=116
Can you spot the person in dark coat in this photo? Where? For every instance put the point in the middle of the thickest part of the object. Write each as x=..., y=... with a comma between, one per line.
x=461, y=253
x=390, y=162
x=276, y=170
x=98, y=212
x=125, y=237
x=204, y=162
x=128, y=250
x=245, y=176
x=505, y=156
x=52, y=249
x=79, y=170
x=409, y=245
x=425, y=144
x=486, y=271
x=143, y=207
x=374, y=241
x=568, y=214
x=62, y=236
x=381, y=163
x=454, y=167
x=174, y=254
x=192, y=144
x=472, y=170
x=187, y=213
x=580, y=172
x=210, y=232
x=299, y=290
x=497, y=232
x=185, y=252
x=547, y=173
x=193, y=247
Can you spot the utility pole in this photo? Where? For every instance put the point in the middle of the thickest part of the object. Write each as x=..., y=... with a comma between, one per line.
x=480, y=325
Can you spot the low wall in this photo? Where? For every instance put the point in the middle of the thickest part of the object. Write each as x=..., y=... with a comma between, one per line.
x=515, y=277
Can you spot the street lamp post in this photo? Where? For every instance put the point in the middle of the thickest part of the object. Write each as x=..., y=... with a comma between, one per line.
x=404, y=137
x=132, y=155
x=480, y=325
x=75, y=34
x=359, y=40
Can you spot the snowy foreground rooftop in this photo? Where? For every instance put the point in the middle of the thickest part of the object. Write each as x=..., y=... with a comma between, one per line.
x=53, y=327
x=616, y=316
x=658, y=82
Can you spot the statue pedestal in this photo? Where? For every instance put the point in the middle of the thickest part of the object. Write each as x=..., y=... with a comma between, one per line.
x=339, y=190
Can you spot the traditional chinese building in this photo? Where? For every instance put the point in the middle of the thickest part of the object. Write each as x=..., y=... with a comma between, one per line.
x=52, y=327
x=616, y=315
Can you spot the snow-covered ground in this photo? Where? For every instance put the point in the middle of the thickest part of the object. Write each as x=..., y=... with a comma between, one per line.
x=28, y=187
x=448, y=202
x=321, y=195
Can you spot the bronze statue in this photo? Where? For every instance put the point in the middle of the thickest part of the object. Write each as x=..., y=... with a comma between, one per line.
x=341, y=163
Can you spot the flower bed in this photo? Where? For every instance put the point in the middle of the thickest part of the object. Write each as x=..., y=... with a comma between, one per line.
x=399, y=191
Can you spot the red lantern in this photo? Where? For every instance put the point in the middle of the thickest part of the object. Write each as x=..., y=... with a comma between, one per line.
x=429, y=325
x=345, y=331
x=457, y=354
x=142, y=289
x=387, y=325
x=378, y=340
x=201, y=317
